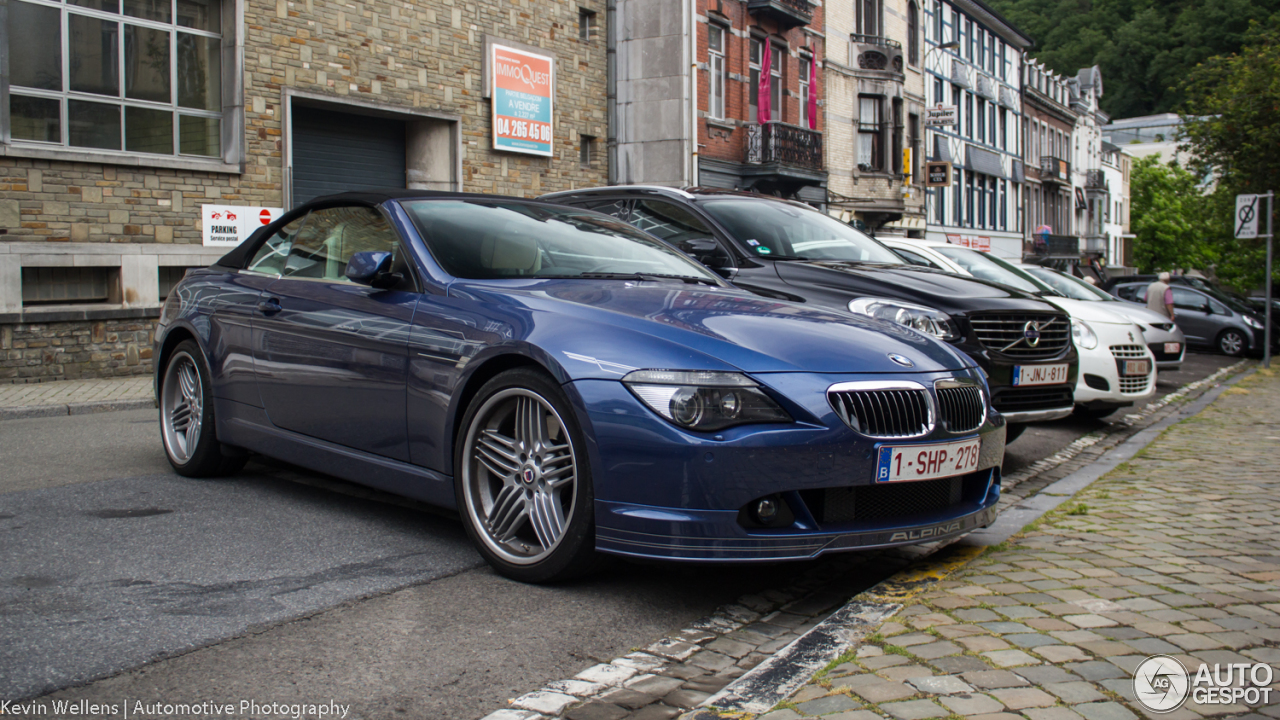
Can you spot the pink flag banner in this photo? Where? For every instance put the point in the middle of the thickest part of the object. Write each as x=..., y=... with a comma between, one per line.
x=764, y=111
x=813, y=92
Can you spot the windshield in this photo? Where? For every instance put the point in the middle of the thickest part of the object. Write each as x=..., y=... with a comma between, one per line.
x=1069, y=285
x=776, y=229
x=986, y=267
x=482, y=240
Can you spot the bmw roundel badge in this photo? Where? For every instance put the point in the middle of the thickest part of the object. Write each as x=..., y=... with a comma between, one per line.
x=901, y=360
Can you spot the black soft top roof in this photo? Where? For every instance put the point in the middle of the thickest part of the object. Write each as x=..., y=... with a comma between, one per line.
x=239, y=256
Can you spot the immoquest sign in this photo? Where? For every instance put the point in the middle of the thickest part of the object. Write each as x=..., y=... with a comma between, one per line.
x=230, y=225
x=523, y=85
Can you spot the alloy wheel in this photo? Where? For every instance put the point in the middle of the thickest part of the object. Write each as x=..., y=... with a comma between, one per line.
x=182, y=407
x=1231, y=343
x=519, y=475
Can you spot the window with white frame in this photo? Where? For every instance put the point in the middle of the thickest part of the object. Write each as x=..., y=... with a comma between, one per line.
x=775, y=80
x=868, y=17
x=870, y=133
x=913, y=33
x=716, y=68
x=135, y=76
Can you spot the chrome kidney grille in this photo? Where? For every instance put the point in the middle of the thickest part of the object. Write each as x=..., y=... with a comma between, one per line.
x=1007, y=334
x=894, y=410
x=960, y=406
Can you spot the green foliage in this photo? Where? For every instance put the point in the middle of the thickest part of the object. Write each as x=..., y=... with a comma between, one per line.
x=1230, y=124
x=1170, y=218
x=1144, y=47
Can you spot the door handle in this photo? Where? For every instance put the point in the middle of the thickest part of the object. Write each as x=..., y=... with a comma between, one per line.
x=270, y=306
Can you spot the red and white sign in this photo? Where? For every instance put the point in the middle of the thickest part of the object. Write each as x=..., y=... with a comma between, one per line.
x=971, y=241
x=523, y=87
x=230, y=225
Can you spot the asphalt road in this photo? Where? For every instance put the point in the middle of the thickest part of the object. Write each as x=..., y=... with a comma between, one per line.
x=284, y=586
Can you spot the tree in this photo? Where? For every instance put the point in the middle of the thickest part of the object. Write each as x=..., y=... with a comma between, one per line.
x=1168, y=218
x=1232, y=128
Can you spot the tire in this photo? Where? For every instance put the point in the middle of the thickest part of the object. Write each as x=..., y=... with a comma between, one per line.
x=524, y=486
x=190, y=438
x=1013, y=432
x=1232, y=342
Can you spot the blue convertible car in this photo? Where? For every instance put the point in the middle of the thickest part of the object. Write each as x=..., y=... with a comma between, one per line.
x=571, y=386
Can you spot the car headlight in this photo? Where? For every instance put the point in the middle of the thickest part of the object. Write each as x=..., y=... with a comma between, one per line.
x=1251, y=322
x=917, y=317
x=1083, y=334
x=703, y=400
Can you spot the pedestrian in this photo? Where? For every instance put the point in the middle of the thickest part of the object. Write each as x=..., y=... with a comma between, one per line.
x=1160, y=296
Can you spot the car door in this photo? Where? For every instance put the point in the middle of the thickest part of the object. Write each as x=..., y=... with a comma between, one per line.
x=1191, y=311
x=330, y=354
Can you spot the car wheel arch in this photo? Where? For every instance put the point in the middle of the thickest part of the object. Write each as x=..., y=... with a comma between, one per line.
x=483, y=372
x=175, y=335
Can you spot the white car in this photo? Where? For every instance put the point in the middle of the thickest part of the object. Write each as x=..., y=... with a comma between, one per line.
x=1117, y=368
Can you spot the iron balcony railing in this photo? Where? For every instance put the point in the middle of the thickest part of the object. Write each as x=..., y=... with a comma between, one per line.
x=1053, y=246
x=1054, y=169
x=1095, y=180
x=776, y=142
x=788, y=13
x=875, y=40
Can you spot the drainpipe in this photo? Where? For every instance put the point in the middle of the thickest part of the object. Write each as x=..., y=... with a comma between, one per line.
x=611, y=88
x=691, y=34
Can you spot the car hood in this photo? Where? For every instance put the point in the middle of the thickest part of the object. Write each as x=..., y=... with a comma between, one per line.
x=678, y=326
x=943, y=291
x=1136, y=313
x=1094, y=312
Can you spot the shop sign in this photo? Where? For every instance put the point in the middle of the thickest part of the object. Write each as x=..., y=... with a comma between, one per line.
x=523, y=83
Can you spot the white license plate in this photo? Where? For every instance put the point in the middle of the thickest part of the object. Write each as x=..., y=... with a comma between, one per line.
x=1136, y=367
x=1172, y=348
x=1024, y=375
x=904, y=463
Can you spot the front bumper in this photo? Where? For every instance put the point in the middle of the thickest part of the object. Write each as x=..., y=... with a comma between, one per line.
x=1101, y=383
x=1040, y=403
x=662, y=492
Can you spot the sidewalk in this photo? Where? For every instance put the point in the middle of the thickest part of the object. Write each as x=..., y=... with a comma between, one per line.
x=75, y=397
x=1172, y=553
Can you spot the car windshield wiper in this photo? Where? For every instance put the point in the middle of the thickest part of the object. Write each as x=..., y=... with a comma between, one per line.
x=642, y=276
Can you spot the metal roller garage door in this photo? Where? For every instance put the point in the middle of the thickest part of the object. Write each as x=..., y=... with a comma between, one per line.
x=335, y=152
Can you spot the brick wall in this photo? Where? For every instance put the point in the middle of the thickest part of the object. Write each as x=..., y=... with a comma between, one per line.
x=727, y=139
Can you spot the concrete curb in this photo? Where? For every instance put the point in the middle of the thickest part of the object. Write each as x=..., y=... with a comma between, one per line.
x=773, y=681
x=23, y=412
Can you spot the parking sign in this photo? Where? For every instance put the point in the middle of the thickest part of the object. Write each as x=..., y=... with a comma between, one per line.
x=1247, y=212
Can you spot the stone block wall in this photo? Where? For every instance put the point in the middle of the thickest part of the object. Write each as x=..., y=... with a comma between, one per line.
x=71, y=350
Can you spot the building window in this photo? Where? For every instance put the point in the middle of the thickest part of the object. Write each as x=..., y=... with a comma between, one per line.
x=805, y=65
x=982, y=120
x=67, y=285
x=991, y=53
x=870, y=132
x=937, y=22
x=586, y=25
x=913, y=127
x=717, y=69
x=168, y=278
x=868, y=20
x=991, y=128
x=586, y=150
x=775, y=84
x=938, y=98
x=913, y=33
x=145, y=80
x=972, y=45
x=1004, y=204
x=959, y=206
x=968, y=199
x=968, y=115
x=1004, y=129
x=898, y=169
x=1002, y=65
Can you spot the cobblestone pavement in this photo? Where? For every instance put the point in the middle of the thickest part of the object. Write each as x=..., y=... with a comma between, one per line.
x=1172, y=553
x=40, y=399
x=681, y=671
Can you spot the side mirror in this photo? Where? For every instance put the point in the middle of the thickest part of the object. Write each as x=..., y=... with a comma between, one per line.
x=372, y=268
x=705, y=251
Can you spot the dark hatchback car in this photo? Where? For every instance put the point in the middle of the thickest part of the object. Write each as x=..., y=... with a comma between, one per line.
x=1207, y=319
x=789, y=251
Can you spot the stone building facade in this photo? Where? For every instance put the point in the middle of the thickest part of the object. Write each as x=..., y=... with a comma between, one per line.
x=1049, y=195
x=875, y=101
x=688, y=92
x=104, y=165
x=980, y=76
